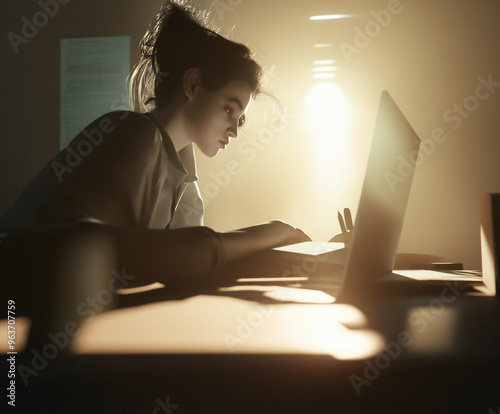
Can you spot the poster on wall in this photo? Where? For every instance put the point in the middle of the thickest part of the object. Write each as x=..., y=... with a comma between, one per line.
x=93, y=81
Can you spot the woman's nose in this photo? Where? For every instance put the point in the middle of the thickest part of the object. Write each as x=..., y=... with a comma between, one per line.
x=233, y=131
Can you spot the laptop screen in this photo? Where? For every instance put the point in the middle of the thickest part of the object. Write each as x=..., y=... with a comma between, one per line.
x=379, y=220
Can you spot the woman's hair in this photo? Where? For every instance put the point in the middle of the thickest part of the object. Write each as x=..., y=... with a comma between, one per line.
x=178, y=39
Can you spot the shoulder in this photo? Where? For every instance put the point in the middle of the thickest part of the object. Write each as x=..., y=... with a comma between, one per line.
x=123, y=128
x=122, y=120
x=114, y=138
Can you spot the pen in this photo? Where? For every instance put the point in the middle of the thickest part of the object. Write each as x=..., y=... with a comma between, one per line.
x=348, y=219
x=341, y=222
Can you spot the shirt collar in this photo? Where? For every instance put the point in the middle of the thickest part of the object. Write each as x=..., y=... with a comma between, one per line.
x=184, y=159
x=188, y=159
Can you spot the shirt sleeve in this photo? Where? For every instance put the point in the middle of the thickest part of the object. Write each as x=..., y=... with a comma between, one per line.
x=192, y=253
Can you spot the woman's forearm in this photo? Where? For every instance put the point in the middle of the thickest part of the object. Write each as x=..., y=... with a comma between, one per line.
x=243, y=242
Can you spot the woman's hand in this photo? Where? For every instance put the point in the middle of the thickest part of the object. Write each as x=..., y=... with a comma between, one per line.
x=278, y=233
x=264, y=236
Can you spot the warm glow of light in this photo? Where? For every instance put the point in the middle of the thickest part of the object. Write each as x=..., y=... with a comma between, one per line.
x=328, y=115
x=300, y=296
x=227, y=324
x=21, y=327
x=488, y=245
x=329, y=17
x=319, y=45
x=328, y=112
x=268, y=280
x=324, y=62
x=323, y=76
x=285, y=294
x=140, y=289
x=323, y=68
x=340, y=331
x=343, y=343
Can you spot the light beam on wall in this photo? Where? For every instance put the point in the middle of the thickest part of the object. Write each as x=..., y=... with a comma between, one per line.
x=329, y=17
x=328, y=116
x=328, y=113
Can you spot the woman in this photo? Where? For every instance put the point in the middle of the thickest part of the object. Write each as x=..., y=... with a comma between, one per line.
x=131, y=175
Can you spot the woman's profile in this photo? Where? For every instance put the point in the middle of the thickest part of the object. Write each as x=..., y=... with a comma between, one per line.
x=137, y=185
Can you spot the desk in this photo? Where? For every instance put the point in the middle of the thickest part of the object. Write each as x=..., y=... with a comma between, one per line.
x=288, y=350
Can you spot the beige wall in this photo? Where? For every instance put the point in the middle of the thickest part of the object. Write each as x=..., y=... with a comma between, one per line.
x=429, y=56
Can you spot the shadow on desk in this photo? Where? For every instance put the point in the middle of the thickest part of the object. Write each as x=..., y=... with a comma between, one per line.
x=464, y=379
x=263, y=269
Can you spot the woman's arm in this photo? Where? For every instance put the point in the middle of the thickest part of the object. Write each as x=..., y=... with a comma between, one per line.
x=187, y=254
x=243, y=242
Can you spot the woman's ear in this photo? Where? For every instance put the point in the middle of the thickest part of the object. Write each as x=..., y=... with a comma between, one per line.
x=191, y=81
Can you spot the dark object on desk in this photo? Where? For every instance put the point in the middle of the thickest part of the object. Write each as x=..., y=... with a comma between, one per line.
x=490, y=239
x=441, y=266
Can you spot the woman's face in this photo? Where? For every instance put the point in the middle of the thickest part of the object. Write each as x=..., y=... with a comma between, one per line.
x=213, y=117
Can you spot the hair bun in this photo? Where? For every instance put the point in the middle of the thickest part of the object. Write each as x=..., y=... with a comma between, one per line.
x=178, y=39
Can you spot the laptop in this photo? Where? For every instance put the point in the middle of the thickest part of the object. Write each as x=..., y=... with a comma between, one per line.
x=372, y=249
